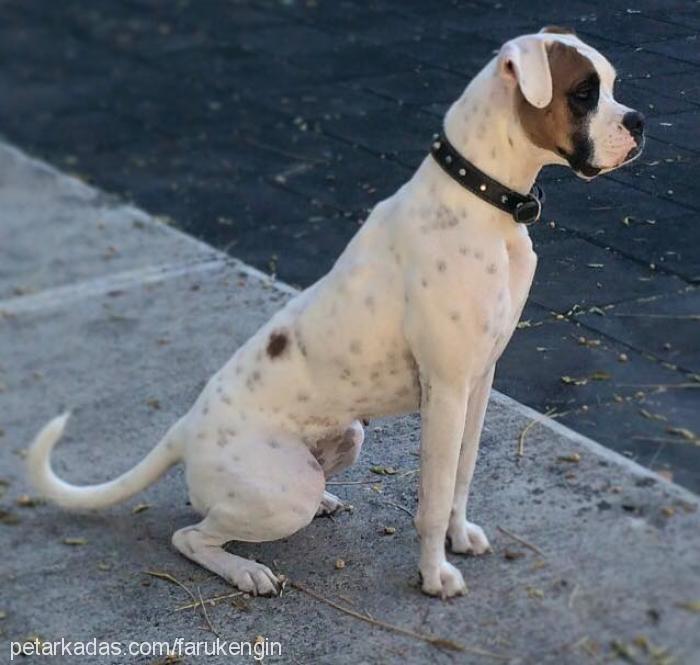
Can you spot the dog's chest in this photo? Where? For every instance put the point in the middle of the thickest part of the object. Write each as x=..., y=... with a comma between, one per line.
x=522, y=262
x=480, y=281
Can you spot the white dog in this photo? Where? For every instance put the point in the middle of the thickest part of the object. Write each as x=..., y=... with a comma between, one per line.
x=414, y=314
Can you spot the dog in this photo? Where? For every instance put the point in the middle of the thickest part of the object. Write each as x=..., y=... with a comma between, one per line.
x=414, y=315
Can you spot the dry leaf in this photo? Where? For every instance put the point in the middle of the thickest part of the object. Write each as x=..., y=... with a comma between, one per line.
x=383, y=470
x=8, y=518
x=683, y=432
x=600, y=376
x=534, y=592
x=571, y=381
x=26, y=501
x=652, y=416
x=690, y=606
x=573, y=458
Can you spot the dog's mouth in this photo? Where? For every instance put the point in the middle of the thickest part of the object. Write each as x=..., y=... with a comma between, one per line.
x=588, y=171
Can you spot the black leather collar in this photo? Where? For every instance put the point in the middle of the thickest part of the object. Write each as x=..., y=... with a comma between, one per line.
x=524, y=209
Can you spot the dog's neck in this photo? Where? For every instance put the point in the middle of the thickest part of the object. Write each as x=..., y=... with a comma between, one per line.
x=484, y=127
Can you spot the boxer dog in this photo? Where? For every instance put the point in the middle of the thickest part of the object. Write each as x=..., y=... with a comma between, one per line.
x=413, y=315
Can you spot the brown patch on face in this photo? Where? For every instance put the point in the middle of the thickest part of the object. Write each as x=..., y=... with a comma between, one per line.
x=558, y=30
x=277, y=344
x=557, y=127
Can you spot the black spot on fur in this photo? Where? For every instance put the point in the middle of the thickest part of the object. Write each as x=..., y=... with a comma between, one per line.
x=277, y=344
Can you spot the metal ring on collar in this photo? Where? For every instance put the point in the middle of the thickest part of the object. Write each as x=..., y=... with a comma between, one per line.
x=528, y=212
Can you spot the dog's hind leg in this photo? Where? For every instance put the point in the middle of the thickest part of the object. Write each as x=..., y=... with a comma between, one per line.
x=202, y=543
x=252, y=489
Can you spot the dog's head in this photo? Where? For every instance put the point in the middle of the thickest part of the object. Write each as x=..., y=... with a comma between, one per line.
x=563, y=94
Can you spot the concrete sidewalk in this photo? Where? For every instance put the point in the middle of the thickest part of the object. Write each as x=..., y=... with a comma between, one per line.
x=122, y=319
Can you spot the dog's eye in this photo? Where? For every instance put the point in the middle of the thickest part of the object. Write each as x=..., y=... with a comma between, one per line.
x=583, y=94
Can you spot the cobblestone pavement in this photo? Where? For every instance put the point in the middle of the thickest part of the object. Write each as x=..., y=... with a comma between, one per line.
x=269, y=129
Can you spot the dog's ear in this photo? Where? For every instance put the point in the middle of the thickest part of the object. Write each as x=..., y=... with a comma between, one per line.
x=524, y=62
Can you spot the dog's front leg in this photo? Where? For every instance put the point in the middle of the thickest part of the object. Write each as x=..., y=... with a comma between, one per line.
x=464, y=536
x=443, y=412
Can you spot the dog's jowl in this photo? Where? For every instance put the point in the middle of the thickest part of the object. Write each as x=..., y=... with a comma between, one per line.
x=414, y=315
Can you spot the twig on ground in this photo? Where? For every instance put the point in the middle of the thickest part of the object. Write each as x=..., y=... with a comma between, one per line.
x=683, y=317
x=206, y=614
x=522, y=541
x=173, y=580
x=660, y=386
x=664, y=439
x=521, y=439
x=400, y=507
x=433, y=640
x=211, y=601
x=573, y=595
x=353, y=482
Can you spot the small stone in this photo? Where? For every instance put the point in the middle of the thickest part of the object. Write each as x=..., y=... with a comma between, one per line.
x=339, y=564
x=389, y=530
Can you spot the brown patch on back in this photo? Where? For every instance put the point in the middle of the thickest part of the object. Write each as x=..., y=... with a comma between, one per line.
x=277, y=344
x=554, y=126
x=558, y=30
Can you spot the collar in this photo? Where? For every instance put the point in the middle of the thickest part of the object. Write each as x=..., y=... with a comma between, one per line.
x=525, y=209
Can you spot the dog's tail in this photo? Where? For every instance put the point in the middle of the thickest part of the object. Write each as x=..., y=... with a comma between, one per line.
x=82, y=497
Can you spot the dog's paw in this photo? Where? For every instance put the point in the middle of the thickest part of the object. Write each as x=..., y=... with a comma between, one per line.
x=443, y=580
x=467, y=538
x=330, y=505
x=254, y=578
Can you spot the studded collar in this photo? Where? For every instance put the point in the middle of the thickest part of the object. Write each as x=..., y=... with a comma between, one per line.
x=525, y=209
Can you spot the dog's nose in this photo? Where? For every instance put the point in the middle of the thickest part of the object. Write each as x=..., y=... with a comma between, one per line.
x=633, y=122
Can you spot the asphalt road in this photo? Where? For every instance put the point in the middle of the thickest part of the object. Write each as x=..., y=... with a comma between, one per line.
x=269, y=129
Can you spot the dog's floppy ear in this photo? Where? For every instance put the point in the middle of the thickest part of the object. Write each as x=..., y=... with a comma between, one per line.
x=524, y=61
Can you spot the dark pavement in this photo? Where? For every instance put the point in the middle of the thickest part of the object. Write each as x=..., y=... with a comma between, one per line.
x=270, y=128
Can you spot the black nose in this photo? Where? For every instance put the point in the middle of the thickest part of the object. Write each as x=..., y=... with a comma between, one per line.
x=633, y=122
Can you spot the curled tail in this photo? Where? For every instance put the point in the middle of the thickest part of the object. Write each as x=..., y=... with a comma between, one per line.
x=81, y=497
